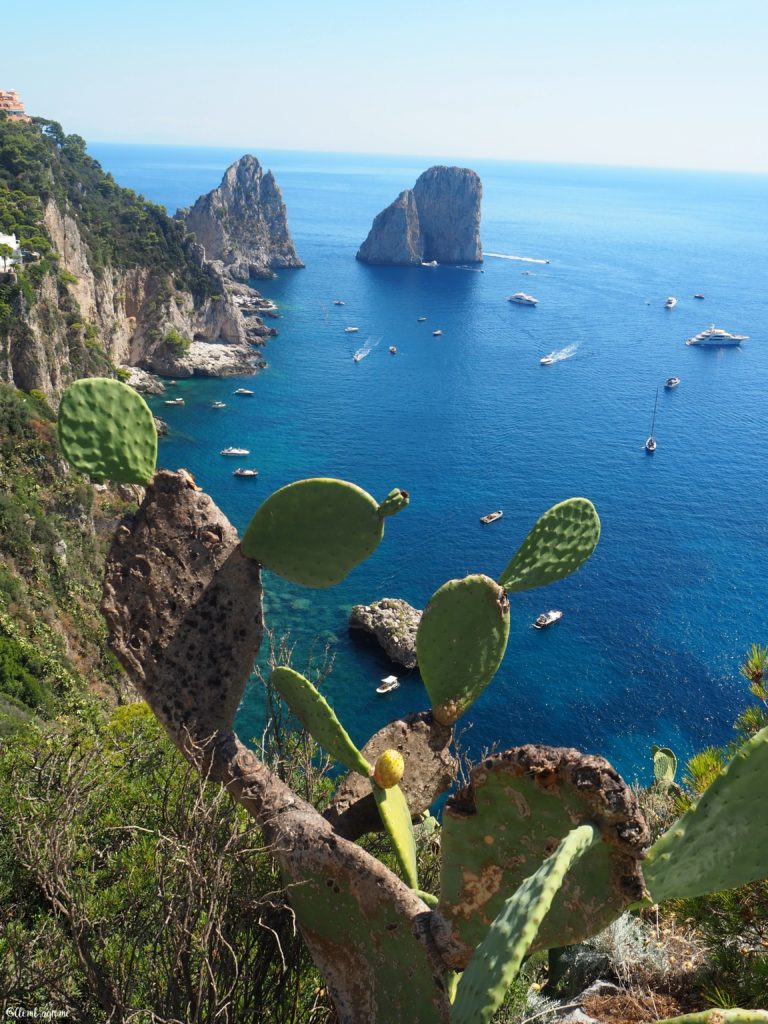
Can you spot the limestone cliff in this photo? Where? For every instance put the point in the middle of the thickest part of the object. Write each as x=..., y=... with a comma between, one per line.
x=242, y=224
x=438, y=219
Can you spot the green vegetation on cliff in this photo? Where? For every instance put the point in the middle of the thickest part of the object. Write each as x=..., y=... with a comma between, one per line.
x=38, y=162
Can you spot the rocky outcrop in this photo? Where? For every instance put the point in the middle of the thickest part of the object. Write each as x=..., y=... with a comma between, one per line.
x=394, y=623
x=84, y=322
x=438, y=219
x=242, y=224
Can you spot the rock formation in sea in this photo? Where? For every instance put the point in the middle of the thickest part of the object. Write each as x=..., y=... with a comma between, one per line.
x=438, y=219
x=242, y=224
x=394, y=623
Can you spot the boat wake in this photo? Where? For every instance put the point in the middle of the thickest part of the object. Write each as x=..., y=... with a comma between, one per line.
x=366, y=349
x=564, y=353
x=520, y=259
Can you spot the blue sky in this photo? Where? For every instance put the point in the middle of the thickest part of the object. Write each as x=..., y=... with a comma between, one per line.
x=665, y=83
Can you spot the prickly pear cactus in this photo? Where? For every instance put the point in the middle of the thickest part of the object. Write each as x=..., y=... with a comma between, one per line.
x=318, y=718
x=314, y=532
x=496, y=961
x=664, y=766
x=460, y=642
x=107, y=431
x=388, y=769
x=561, y=541
x=396, y=817
x=516, y=809
x=722, y=841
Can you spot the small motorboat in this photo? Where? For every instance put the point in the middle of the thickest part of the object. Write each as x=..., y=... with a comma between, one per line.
x=436, y=334
x=218, y=405
x=671, y=302
x=547, y=360
x=234, y=451
x=351, y=330
x=171, y=381
x=388, y=684
x=547, y=618
x=671, y=382
x=698, y=295
x=392, y=350
x=246, y=472
x=420, y=319
x=243, y=391
x=521, y=299
x=491, y=517
x=430, y=263
x=174, y=401
x=339, y=302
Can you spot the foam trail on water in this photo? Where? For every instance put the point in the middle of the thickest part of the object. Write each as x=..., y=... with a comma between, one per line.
x=366, y=349
x=564, y=353
x=520, y=259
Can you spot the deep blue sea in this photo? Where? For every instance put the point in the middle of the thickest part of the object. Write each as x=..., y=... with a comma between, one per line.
x=657, y=621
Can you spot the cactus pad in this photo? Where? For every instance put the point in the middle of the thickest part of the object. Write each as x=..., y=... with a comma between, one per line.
x=388, y=769
x=510, y=818
x=107, y=431
x=564, y=538
x=396, y=817
x=318, y=718
x=718, y=1016
x=664, y=766
x=460, y=642
x=496, y=961
x=316, y=531
x=722, y=841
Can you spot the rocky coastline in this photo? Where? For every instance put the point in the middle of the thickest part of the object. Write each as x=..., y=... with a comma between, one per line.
x=393, y=622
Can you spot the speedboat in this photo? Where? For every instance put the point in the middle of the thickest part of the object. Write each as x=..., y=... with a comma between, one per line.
x=547, y=360
x=671, y=302
x=339, y=302
x=388, y=684
x=521, y=299
x=243, y=391
x=392, y=350
x=698, y=295
x=420, y=319
x=351, y=330
x=174, y=401
x=358, y=357
x=431, y=263
x=436, y=334
x=671, y=382
x=218, y=405
x=715, y=336
x=547, y=618
x=234, y=451
x=650, y=444
x=246, y=472
x=491, y=517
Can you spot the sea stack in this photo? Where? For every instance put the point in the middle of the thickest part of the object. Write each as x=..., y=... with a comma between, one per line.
x=242, y=224
x=438, y=219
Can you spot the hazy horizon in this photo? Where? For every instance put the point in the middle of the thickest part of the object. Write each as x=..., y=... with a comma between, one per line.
x=666, y=85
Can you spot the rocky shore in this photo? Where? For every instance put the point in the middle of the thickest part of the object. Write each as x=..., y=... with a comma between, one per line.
x=393, y=622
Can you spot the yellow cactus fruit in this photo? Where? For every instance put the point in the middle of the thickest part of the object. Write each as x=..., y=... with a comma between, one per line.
x=389, y=769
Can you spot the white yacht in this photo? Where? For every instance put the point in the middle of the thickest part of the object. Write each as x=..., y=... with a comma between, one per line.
x=547, y=618
x=547, y=360
x=243, y=391
x=521, y=299
x=671, y=302
x=388, y=684
x=420, y=319
x=436, y=334
x=716, y=336
x=246, y=472
x=430, y=263
x=218, y=405
x=234, y=451
x=174, y=401
x=351, y=330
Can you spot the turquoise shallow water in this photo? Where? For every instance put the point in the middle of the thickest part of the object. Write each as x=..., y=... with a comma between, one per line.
x=655, y=624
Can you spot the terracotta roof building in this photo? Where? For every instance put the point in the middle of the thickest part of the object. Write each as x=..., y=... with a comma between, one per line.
x=11, y=106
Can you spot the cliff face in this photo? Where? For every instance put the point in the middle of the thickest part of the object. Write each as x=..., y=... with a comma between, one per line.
x=438, y=219
x=82, y=321
x=243, y=224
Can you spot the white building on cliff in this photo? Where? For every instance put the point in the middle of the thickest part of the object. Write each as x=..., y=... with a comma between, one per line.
x=6, y=262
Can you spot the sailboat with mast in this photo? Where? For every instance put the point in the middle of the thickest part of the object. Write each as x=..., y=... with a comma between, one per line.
x=650, y=444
